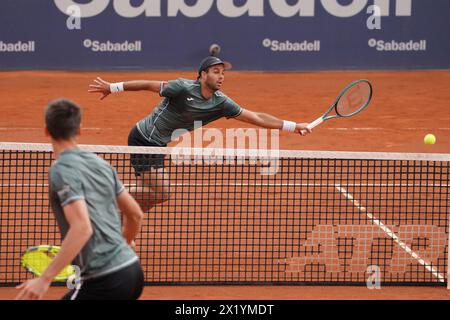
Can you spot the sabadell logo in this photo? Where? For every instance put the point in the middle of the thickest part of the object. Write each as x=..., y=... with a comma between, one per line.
x=109, y=46
x=392, y=45
x=20, y=46
x=227, y=8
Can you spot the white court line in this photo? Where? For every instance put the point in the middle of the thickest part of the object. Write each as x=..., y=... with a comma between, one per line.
x=391, y=234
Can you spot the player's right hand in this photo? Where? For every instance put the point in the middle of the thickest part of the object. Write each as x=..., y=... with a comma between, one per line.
x=302, y=128
x=100, y=86
x=33, y=289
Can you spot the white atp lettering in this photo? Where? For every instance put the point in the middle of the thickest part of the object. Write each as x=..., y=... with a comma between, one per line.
x=419, y=245
x=433, y=239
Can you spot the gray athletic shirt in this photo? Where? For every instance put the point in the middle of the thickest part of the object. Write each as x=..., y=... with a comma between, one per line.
x=184, y=104
x=83, y=175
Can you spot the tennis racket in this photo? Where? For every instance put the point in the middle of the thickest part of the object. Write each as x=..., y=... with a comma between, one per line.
x=37, y=259
x=351, y=101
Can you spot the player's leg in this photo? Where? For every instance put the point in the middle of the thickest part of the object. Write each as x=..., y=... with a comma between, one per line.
x=152, y=183
x=152, y=187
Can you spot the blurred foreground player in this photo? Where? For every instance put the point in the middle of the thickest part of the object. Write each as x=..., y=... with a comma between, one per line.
x=86, y=195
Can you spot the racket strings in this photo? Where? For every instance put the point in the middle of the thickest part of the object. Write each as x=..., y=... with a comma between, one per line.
x=37, y=261
x=354, y=99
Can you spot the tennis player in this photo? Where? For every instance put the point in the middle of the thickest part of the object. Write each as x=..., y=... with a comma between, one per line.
x=185, y=101
x=86, y=195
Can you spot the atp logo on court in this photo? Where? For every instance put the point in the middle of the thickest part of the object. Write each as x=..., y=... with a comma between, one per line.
x=353, y=249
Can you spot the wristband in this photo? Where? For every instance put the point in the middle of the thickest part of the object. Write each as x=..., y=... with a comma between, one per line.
x=289, y=126
x=116, y=87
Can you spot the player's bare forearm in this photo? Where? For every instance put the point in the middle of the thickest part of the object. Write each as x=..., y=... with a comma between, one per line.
x=75, y=240
x=138, y=85
x=79, y=233
x=105, y=88
x=270, y=122
x=73, y=243
x=132, y=216
x=260, y=119
x=131, y=228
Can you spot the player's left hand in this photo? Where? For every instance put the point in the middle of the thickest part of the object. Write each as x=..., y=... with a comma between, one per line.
x=302, y=128
x=100, y=86
x=33, y=289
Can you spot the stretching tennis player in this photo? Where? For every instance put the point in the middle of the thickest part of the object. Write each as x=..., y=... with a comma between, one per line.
x=185, y=101
x=86, y=195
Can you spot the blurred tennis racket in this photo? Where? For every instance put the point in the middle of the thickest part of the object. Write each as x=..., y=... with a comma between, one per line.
x=36, y=259
x=351, y=101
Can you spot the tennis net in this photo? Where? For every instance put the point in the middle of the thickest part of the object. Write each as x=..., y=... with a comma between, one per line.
x=258, y=216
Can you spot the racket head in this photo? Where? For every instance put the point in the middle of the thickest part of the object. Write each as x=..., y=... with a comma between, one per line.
x=354, y=98
x=36, y=259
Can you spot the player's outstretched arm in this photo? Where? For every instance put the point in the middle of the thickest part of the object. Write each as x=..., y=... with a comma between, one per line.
x=105, y=88
x=270, y=122
x=132, y=216
x=80, y=231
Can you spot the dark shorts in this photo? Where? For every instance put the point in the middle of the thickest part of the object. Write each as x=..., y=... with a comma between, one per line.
x=125, y=284
x=143, y=162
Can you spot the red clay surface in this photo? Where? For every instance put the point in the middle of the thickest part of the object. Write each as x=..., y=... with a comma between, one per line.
x=406, y=106
x=271, y=293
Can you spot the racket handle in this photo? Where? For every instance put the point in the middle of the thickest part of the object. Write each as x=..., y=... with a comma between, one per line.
x=315, y=123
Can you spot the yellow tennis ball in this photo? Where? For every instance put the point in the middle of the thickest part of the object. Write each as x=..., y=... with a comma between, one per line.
x=429, y=139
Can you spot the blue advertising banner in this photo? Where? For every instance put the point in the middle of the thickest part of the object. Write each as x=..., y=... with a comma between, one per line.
x=286, y=35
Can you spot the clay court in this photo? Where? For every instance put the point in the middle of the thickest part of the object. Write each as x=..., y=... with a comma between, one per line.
x=405, y=107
